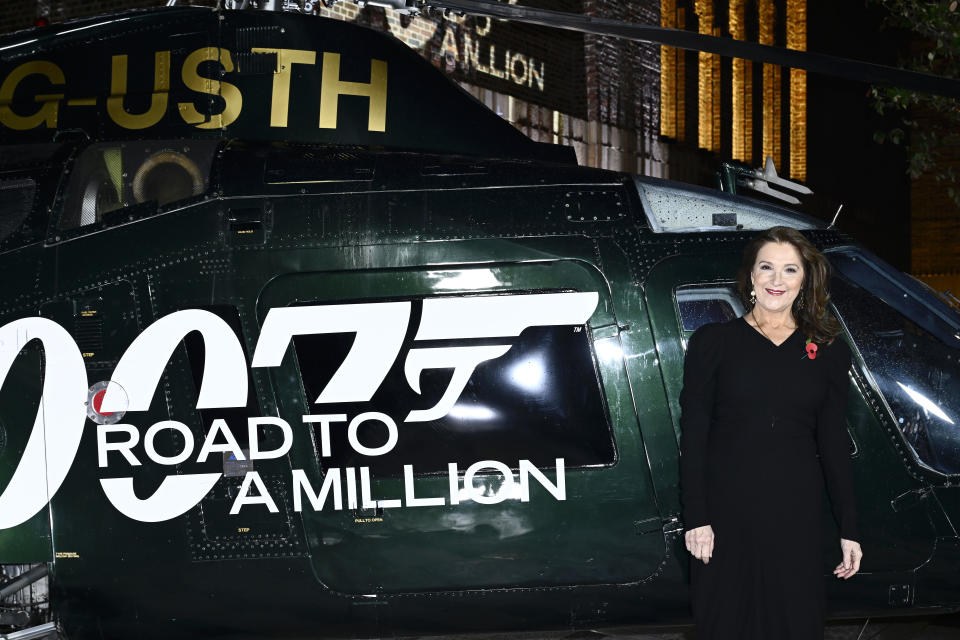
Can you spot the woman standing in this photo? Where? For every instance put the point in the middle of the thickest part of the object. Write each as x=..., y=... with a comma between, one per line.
x=763, y=424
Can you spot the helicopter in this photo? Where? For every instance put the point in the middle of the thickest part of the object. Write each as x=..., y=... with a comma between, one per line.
x=285, y=354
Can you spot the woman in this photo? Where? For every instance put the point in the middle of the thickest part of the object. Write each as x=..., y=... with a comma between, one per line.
x=763, y=397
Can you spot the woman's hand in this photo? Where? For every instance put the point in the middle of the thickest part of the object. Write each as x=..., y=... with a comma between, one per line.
x=700, y=543
x=851, y=559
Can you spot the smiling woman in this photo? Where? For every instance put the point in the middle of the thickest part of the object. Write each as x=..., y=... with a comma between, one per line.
x=776, y=279
x=785, y=280
x=762, y=413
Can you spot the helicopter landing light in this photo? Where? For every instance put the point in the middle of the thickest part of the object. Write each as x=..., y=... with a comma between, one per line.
x=95, y=396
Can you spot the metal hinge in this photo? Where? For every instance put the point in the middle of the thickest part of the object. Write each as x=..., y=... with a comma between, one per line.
x=672, y=525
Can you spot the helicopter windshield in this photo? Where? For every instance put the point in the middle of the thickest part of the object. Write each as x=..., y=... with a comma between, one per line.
x=910, y=342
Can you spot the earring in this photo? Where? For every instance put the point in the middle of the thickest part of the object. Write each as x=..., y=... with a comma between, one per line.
x=753, y=297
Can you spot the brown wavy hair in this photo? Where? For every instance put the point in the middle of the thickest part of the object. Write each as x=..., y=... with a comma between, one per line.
x=811, y=317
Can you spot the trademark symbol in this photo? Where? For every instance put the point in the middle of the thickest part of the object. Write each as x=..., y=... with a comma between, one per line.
x=577, y=329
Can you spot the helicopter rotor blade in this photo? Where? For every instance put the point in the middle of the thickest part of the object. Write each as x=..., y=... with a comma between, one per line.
x=857, y=70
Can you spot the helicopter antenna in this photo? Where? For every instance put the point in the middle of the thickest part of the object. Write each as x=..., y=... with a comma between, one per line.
x=835, y=216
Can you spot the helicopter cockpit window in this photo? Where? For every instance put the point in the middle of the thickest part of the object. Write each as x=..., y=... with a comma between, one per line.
x=707, y=303
x=123, y=179
x=539, y=401
x=910, y=341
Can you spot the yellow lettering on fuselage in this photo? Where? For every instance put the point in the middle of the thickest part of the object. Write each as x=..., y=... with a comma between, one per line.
x=47, y=114
x=158, y=99
x=280, y=97
x=193, y=80
x=331, y=88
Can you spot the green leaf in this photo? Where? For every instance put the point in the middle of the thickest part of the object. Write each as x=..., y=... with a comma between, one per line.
x=879, y=137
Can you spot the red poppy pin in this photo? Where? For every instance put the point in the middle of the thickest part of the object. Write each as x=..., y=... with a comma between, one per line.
x=811, y=349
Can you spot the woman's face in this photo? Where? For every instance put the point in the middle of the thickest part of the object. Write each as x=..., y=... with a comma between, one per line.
x=777, y=276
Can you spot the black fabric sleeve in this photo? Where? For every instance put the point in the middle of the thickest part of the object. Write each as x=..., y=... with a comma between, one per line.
x=833, y=442
x=696, y=414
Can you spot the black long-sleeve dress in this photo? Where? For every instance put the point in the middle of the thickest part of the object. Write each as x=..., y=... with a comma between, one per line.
x=755, y=417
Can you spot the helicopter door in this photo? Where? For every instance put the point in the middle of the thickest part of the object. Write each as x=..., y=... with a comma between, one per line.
x=28, y=173
x=489, y=440
x=20, y=400
x=686, y=292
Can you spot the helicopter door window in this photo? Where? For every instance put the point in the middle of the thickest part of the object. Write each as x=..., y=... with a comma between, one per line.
x=910, y=342
x=122, y=181
x=540, y=401
x=702, y=304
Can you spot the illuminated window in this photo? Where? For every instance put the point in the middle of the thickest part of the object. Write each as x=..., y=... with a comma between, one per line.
x=668, y=73
x=742, y=88
x=672, y=94
x=681, y=85
x=773, y=17
x=708, y=82
x=771, y=86
x=797, y=39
